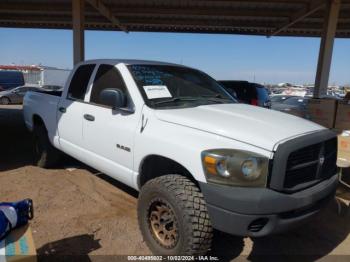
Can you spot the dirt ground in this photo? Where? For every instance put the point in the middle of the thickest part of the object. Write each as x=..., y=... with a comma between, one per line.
x=79, y=211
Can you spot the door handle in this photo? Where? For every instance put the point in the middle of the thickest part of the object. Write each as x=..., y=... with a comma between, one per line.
x=62, y=109
x=89, y=117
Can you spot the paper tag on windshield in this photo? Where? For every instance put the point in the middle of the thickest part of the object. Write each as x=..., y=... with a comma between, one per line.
x=157, y=91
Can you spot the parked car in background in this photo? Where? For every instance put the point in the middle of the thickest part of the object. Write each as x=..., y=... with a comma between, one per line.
x=295, y=105
x=10, y=79
x=199, y=159
x=248, y=93
x=15, y=95
x=278, y=99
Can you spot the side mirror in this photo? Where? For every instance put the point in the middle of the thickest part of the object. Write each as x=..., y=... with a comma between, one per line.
x=114, y=98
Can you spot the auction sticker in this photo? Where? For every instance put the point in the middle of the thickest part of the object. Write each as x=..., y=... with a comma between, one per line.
x=157, y=91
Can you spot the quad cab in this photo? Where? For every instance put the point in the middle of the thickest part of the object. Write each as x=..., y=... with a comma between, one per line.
x=200, y=160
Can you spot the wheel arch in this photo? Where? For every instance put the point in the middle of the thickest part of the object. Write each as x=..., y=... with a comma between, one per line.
x=38, y=121
x=154, y=165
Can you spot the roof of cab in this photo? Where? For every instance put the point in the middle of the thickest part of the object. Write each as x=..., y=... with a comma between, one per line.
x=127, y=62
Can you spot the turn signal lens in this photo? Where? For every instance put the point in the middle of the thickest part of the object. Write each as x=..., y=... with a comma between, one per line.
x=210, y=164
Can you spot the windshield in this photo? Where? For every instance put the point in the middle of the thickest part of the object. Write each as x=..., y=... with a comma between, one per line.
x=175, y=86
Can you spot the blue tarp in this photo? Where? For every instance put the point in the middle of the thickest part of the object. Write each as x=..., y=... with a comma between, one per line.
x=14, y=215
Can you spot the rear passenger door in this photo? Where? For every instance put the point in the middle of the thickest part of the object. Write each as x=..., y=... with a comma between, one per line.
x=108, y=134
x=70, y=108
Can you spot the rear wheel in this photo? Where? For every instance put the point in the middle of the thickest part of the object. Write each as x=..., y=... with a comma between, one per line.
x=173, y=217
x=5, y=101
x=45, y=155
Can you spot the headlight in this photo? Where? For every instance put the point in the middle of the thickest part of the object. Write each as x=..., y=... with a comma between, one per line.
x=235, y=167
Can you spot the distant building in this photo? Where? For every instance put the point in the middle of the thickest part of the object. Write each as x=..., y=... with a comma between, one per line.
x=284, y=85
x=40, y=75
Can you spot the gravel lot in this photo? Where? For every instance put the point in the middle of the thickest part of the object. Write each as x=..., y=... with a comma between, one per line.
x=79, y=211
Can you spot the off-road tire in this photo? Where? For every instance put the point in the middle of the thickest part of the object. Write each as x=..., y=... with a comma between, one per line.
x=5, y=101
x=187, y=202
x=45, y=155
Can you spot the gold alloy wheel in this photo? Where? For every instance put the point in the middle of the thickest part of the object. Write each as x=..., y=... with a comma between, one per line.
x=163, y=223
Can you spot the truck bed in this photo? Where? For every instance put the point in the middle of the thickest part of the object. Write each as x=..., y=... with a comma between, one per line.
x=49, y=92
x=43, y=104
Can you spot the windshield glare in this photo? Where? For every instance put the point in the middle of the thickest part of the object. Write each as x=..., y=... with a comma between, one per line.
x=176, y=86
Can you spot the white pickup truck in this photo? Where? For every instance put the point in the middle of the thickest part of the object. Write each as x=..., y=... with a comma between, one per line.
x=199, y=159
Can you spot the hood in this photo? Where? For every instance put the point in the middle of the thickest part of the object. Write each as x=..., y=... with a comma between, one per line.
x=5, y=92
x=249, y=124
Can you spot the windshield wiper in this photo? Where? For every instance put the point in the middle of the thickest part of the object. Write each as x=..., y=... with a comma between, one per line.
x=216, y=98
x=176, y=99
x=213, y=96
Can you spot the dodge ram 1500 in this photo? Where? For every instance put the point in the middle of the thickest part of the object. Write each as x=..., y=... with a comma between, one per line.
x=199, y=159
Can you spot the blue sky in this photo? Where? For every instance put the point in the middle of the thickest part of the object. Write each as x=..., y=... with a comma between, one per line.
x=265, y=60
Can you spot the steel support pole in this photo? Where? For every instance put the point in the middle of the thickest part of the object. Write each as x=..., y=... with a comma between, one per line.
x=78, y=30
x=326, y=48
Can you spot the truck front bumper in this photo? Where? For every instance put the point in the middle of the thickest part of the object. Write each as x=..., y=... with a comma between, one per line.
x=261, y=211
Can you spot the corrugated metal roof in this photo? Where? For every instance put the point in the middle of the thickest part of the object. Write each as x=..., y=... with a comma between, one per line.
x=20, y=67
x=253, y=17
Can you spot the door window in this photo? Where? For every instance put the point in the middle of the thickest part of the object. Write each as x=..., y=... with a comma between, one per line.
x=79, y=82
x=107, y=77
x=22, y=90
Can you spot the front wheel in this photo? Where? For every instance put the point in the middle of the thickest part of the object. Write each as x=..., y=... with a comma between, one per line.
x=5, y=101
x=173, y=217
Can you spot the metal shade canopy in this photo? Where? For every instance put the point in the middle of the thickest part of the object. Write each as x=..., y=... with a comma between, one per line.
x=251, y=17
x=307, y=18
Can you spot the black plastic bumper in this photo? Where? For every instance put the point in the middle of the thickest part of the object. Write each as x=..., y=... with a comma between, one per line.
x=262, y=211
